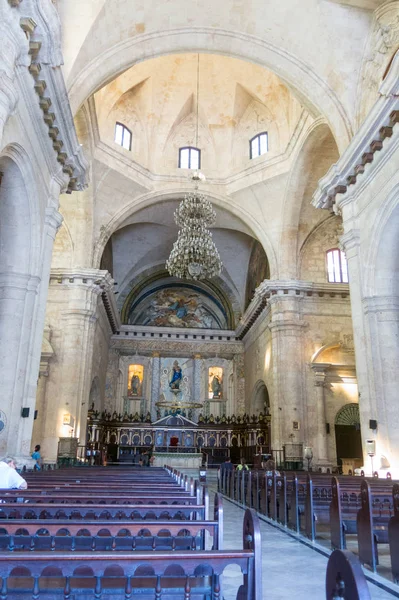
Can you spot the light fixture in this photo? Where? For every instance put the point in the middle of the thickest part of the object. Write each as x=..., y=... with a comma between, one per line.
x=194, y=254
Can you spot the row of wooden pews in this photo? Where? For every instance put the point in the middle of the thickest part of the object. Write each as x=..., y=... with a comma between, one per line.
x=121, y=533
x=317, y=505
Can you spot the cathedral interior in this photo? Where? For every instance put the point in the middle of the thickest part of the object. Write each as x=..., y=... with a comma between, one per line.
x=284, y=123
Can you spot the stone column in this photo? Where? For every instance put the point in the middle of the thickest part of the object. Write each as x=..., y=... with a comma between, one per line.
x=382, y=317
x=155, y=383
x=287, y=401
x=72, y=313
x=350, y=242
x=317, y=428
x=240, y=384
x=197, y=385
x=18, y=294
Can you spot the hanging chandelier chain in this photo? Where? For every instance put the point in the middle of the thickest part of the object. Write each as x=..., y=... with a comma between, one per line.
x=194, y=254
x=197, y=119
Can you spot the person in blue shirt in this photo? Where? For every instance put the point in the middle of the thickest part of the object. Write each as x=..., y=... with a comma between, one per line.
x=37, y=457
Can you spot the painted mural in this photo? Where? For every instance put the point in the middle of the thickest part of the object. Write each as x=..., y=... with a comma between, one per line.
x=178, y=307
x=135, y=380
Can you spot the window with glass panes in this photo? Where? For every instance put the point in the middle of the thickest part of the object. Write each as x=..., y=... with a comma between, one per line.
x=189, y=158
x=258, y=145
x=337, y=267
x=123, y=136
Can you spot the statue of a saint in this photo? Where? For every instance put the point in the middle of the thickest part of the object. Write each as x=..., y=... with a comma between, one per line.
x=135, y=385
x=174, y=384
x=216, y=387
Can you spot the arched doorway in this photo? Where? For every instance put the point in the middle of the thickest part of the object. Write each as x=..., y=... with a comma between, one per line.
x=260, y=399
x=348, y=437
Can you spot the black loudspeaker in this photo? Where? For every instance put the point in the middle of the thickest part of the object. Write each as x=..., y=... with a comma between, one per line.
x=373, y=424
x=327, y=428
x=25, y=413
x=35, y=415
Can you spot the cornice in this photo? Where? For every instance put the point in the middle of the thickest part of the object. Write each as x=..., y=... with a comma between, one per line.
x=273, y=290
x=44, y=64
x=380, y=125
x=98, y=281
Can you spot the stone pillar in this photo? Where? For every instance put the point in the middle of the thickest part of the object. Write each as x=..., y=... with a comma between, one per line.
x=72, y=313
x=382, y=317
x=155, y=383
x=287, y=328
x=317, y=435
x=197, y=385
x=22, y=311
x=17, y=294
x=239, y=371
x=350, y=242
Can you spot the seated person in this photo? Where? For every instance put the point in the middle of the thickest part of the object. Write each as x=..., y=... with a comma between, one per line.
x=226, y=465
x=270, y=466
x=9, y=478
x=243, y=465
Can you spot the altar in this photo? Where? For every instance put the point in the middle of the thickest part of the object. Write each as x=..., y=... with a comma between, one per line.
x=178, y=460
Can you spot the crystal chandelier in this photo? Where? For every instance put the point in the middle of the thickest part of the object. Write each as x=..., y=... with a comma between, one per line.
x=194, y=254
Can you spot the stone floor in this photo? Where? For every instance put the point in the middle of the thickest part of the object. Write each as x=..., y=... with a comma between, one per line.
x=290, y=569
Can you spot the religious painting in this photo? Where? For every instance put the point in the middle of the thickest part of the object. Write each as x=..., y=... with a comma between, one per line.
x=215, y=383
x=258, y=271
x=179, y=306
x=135, y=381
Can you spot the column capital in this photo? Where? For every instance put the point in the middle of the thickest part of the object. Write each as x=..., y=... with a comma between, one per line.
x=286, y=325
x=320, y=372
x=156, y=354
x=53, y=220
x=197, y=356
x=350, y=242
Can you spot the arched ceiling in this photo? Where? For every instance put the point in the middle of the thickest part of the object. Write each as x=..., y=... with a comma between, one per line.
x=157, y=101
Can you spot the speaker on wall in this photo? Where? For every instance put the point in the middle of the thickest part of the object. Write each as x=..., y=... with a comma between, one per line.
x=25, y=413
x=327, y=428
x=373, y=424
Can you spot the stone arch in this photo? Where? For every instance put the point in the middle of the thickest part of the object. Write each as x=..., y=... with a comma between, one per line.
x=383, y=273
x=314, y=157
x=94, y=396
x=312, y=258
x=260, y=401
x=19, y=213
x=348, y=415
x=151, y=198
x=312, y=90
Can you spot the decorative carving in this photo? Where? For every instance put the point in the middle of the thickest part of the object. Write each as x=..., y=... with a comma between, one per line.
x=383, y=41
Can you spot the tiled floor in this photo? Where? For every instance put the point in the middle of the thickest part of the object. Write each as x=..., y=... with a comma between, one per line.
x=290, y=569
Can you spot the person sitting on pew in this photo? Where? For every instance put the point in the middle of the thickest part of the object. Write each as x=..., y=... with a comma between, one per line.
x=270, y=467
x=242, y=466
x=9, y=478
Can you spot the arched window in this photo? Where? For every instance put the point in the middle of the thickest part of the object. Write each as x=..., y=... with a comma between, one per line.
x=189, y=158
x=258, y=145
x=123, y=136
x=337, y=267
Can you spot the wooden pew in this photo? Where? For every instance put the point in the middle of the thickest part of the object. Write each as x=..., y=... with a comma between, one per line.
x=121, y=575
x=393, y=534
x=345, y=578
x=75, y=535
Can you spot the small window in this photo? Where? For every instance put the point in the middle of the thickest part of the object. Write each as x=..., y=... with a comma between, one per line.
x=337, y=267
x=258, y=145
x=123, y=136
x=189, y=158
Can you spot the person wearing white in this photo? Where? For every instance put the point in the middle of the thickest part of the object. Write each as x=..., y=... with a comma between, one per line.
x=9, y=478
